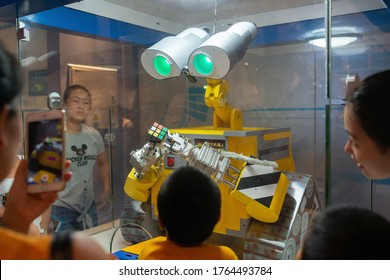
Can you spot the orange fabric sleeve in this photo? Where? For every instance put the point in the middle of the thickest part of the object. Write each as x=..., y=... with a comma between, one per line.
x=17, y=246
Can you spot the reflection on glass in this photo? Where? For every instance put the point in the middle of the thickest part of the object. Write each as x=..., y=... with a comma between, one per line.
x=78, y=204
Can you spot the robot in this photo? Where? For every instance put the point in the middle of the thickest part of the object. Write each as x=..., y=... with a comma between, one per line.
x=149, y=169
x=221, y=156
x=266, y=207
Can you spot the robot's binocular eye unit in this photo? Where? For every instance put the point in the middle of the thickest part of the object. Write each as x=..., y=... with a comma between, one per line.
x=203, y=55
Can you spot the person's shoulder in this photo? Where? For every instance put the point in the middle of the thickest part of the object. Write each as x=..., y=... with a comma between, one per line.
x=89, y=129
x=227, y=253
x=154, y=249
x=92, y=132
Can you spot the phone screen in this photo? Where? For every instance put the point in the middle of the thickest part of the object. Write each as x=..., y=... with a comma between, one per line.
x=45, y=144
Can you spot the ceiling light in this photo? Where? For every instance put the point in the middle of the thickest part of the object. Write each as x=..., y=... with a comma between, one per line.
x=339, y=40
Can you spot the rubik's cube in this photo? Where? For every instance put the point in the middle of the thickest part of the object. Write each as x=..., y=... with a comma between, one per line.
x=156, y=133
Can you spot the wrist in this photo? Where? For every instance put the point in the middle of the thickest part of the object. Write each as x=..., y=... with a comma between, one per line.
x=44, y=227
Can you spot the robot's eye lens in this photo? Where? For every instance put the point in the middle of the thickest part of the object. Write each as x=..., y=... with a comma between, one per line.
x=162, y=66
x=203, y=64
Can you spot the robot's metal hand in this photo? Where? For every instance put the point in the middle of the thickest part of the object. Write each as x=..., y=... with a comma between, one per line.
x=150, y=154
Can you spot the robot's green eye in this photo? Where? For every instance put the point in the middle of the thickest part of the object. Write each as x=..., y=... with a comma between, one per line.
x=162, y=66
x=203, y=64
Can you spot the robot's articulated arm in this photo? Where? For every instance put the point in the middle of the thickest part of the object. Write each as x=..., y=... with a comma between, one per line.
x=214, y=162
x=148, y=164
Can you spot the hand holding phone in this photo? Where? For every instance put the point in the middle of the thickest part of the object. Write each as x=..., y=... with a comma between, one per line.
x=45, y=151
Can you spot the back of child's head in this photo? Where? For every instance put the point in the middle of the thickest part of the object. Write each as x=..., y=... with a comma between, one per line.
x=347, y=233
x=189, y=206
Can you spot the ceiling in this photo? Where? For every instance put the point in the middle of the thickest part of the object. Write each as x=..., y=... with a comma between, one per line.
x=174, y=15
x=194, y=12
x=279, y=22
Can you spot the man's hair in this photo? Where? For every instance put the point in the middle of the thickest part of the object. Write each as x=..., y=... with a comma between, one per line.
x=72, y=88
x=347, y=233
x=10, y=78
x=189, y=206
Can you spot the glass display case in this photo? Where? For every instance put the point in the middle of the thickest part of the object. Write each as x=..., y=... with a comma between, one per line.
x=284, y=81
x=369, y=27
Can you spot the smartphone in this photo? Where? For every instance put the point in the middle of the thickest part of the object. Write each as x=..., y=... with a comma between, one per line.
x=45, y=150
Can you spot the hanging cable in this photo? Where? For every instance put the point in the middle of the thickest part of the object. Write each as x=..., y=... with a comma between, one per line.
x=127, y=224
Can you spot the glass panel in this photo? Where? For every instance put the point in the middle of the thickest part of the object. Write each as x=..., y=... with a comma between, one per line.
x=368, y=22
x=348, y=185
x=51, y=60
x=279, y=83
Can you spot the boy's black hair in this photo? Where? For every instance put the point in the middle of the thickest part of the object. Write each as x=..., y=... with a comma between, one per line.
x=189, y=206
x=347, y=233
x=10, y=78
